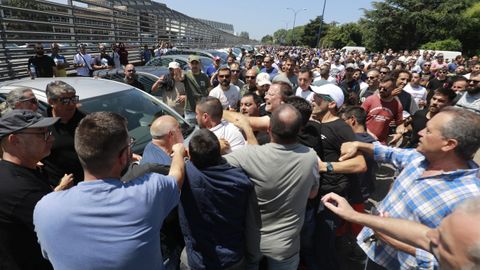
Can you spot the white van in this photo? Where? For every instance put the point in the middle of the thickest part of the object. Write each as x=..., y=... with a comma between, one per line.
x=348, y=49
x=449, y=56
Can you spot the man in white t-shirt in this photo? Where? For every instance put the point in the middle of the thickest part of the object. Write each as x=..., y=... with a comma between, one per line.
x=228, y=94
x=304, y=80
x=83, y=61
x=209, y=113
x=418, y=92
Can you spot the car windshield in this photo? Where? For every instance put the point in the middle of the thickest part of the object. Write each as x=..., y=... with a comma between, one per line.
x=139, y=109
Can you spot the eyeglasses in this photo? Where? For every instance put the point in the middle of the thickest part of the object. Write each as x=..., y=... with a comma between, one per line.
x=250, y=77
x=223, y=76
x=69, y=100
x=46, y=134
x=32, y=100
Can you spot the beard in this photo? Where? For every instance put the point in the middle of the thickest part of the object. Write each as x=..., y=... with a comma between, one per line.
x=225, y=83
x=473, y=90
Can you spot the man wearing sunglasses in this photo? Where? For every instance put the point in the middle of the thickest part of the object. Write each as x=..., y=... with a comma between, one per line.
x=20, y=98
x=227, y=93
x=25, y=140
x=471, y=98
x=63, y=159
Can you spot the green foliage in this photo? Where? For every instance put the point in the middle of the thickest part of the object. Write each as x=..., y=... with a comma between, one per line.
x=348, y=34
x=444, y=45
x=268, y=39
x=280, y=37
x=310, y=34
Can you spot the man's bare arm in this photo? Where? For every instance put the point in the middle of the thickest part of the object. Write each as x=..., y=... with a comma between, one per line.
x=406, y=231
x=177, y=168
x=261, y=123
x=356, y=164
x=350, y=149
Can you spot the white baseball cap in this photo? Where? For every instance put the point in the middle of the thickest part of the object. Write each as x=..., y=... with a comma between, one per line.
x=263, y=78
x=332, y=91
x=173, y=65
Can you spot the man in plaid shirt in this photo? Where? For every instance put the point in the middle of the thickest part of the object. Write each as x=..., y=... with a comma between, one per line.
x=434, y=178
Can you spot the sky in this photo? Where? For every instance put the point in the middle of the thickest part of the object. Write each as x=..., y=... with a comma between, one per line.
x=260, y=18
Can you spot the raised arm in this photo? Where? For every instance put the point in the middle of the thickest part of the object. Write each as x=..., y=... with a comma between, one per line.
x=177, y=168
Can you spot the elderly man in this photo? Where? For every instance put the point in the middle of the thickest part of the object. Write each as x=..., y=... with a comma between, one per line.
x=165, y=132
x=434, y=178
x=25, y=140
x=278, y=212
x=63, y=159
x=454, y=242
x=269, y=68
x=209, y=115
x=20, y=98
x=102, y=210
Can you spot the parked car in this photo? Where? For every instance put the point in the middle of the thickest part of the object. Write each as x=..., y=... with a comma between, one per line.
x=189, y=52
x=163, y=61
x=138, y=107
x=147, y=75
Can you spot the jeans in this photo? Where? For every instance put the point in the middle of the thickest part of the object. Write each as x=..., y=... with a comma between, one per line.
x=327, y=224
x=273, y=264
x=307, y=238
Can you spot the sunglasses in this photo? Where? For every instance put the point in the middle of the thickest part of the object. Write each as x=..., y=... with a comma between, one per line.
x=371, y=78
x=473, y=81
x=223, y=76
x=235, y=70
x=250, y=77
x=426, y=65
x=31, y=100
x=131, y=70
x=383, y=72
x=69, y=100
x=45, y=134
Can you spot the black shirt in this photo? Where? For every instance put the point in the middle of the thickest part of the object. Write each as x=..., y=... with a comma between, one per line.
x=361, y=189
x=406, y=100
x=136, y=84
x=419, y=122
x=20, y=190
x=43, y=65
x=63, y=158
x=333, y=135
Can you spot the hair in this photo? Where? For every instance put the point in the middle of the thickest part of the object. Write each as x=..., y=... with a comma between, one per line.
x=358, y=112
x=306, y=70
x=458, y=78
x=396, y=73
x=223, y=68
x=256, y=98
x=285, y=89
x=15, y=96
x=448, y=92
x=465, y=129
x=98, y=140
x=302, y=106
x=204, y=149
x=212, y=106
x=56, y=88
x=388, y=78
x=285, y=130
x=471, y=207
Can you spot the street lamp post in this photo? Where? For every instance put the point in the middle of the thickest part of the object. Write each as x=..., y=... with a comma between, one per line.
x=321, y=22
x=294, y=19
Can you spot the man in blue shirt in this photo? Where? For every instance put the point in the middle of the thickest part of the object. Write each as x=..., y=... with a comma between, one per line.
x=165, y=132
x=213, y=207
x=269, y=68
x=434, y=178
x=103, y=223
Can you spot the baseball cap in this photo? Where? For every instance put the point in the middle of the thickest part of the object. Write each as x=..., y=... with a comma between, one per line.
x=332, y=91
x=193, y=57
x=173, y=64
x=282, y=78
x=350, y=65
x=17, y=120
x=263, y=78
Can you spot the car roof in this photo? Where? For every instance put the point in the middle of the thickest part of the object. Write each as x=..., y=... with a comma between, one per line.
x=85, y=87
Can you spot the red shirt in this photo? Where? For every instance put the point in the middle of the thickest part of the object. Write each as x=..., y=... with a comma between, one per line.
x=380, y=114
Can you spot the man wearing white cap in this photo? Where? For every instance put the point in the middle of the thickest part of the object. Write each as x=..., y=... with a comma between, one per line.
x=263, y=84
x=326, y=101
x=172, y=88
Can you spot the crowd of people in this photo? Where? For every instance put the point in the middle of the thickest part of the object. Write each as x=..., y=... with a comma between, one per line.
x=277, y=174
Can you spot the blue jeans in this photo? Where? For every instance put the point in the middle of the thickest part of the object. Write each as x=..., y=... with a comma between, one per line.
x=273, y=264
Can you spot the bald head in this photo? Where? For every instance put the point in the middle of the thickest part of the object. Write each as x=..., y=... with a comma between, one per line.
x=285, y=124
x=162, y=126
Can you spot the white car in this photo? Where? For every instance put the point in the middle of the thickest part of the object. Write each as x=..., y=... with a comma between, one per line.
x=138, y=107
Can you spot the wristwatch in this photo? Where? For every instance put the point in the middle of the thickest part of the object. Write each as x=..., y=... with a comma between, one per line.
x=329, y=167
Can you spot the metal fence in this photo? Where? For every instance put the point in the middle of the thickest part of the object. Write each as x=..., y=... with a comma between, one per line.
x=133, y=22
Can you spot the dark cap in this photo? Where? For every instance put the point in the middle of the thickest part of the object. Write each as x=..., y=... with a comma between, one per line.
x=17, y=120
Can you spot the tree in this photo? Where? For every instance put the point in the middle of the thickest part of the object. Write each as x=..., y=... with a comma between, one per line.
x=444, y=45
x=310, y=34
x=244, y=35
x=407, y=24
x=268, y=39
x=348, y=34
x=280, y=36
